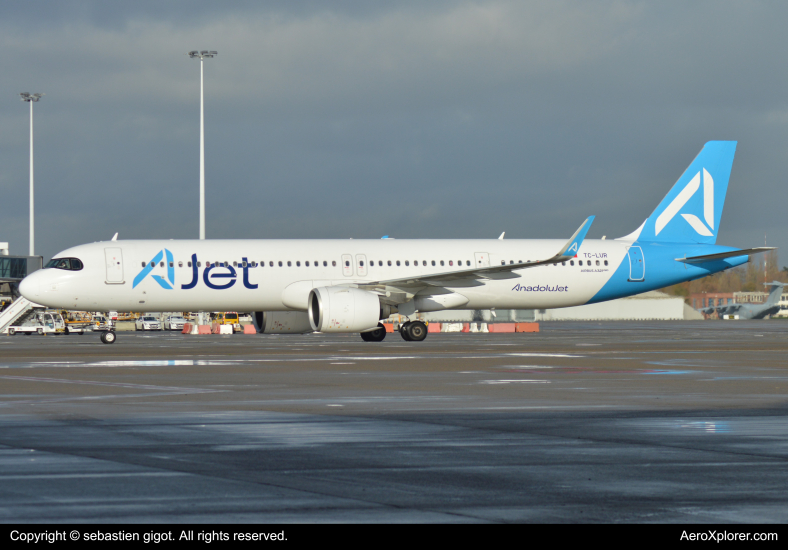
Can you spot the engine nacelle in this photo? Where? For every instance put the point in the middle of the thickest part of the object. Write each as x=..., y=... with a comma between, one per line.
x=343, y=309
x=281, y=322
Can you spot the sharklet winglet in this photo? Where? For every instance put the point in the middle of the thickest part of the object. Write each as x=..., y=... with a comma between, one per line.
x=570, y=248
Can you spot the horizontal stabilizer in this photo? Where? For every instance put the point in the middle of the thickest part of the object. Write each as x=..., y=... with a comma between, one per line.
x=723, y=255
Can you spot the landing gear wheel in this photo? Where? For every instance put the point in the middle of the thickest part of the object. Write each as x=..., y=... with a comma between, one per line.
x=108, y=337
x=403, y=331
x=417, y=331
x=376, y=335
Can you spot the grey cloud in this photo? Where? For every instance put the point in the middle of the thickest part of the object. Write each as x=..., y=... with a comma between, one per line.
x=358, y=119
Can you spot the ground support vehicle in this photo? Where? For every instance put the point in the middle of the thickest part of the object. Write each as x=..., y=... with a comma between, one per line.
x=227, y=318
x=102, y=324
x=39, y=322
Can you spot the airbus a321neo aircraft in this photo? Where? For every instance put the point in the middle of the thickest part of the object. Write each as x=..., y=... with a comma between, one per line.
x=351, y=285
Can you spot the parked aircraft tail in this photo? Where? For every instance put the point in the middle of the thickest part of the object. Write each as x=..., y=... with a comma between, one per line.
x=775, y=293
x=691, y=211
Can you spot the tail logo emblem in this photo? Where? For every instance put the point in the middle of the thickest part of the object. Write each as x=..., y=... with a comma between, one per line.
x=681, y=199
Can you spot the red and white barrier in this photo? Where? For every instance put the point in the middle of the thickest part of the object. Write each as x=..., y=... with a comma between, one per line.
x=526, y=327
x=500, y=327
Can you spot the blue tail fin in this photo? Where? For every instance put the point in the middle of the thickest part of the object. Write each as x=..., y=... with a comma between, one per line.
x=691, y=211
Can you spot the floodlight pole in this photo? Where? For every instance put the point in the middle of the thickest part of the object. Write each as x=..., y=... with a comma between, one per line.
x=202, y=152
x=31, y=98
x=202, y=55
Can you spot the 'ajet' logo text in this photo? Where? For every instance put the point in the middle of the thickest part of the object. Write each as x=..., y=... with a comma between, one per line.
x=218, y=276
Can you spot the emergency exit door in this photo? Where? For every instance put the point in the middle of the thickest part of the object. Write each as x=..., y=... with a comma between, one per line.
x=114, y=261
x=482, y=259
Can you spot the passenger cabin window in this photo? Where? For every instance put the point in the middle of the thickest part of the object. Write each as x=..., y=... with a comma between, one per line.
x=333, y=263
x=289, y=264
x=451, y=262
x=441, y=262
x=605, y=262
x=406, y=262
x=397, y=263
x=298, y=264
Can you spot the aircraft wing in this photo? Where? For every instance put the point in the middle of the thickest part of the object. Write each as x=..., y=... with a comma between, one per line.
x=471, y=275
x=723, y=255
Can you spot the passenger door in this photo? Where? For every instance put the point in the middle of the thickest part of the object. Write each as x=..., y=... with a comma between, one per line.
x=637, y=265
x=114, y=261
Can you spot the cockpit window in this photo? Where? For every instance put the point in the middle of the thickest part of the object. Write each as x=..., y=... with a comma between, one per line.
x=69, y=264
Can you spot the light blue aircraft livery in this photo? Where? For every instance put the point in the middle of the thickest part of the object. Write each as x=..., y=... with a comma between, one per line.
x=352, y=285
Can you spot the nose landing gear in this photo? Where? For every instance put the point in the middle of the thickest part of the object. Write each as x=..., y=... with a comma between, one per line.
x=108, y=337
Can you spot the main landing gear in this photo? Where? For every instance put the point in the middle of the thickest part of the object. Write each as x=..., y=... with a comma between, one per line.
x=413, y=331
x=376, y=335
x=108, y=337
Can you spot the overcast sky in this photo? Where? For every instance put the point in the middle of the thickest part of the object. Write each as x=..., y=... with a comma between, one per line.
x=362, y=119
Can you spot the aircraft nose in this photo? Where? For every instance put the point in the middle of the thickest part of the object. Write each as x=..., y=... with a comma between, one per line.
x=29, y=286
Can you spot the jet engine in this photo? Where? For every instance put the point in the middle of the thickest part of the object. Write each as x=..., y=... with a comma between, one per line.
x=343, y=309
x=281, y=322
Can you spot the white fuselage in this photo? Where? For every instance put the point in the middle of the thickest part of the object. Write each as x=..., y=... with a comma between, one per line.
x=284, y=271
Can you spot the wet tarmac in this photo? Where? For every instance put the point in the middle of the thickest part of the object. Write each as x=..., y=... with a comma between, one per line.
x=583, y=422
